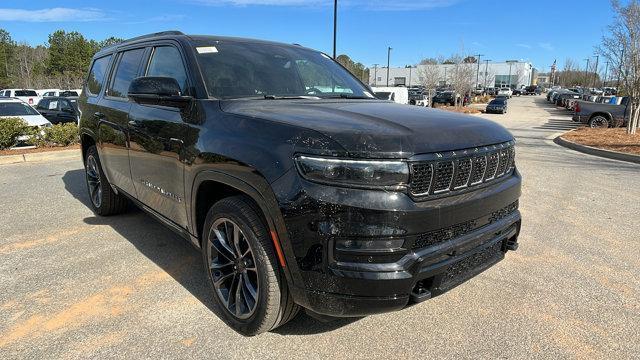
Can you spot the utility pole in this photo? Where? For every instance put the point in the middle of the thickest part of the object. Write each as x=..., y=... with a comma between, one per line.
x=478, y=71
x=375, y=74
x=595, y=72
x=486, y=72
x=335, y=26
x=606, y=73
x=586, y=72
x=388, y=63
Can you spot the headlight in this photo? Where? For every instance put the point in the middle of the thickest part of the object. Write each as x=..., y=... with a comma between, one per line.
x=363, y=173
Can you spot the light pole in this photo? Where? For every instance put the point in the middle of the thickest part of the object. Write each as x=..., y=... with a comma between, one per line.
x=486, y=72
x=335, y=26
x=388, y=63
x=606, y=73
x=410, y=67
x=478, y=71
x=375, y=74
x=586, y=72
x=595, y=71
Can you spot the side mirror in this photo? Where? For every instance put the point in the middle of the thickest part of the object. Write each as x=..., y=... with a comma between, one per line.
x=156, y=90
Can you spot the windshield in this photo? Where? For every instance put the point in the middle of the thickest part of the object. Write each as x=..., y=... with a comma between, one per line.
x=26, y=93
x=497, y=102
x=239, y=70
x=16, y=109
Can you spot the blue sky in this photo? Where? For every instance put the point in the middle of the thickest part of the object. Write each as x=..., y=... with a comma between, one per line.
x=535, y=30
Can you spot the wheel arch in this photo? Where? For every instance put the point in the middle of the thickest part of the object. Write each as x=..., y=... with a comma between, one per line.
x=601, y=113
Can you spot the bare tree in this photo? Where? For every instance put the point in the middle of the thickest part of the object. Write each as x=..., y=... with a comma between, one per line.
x=429, y=76
x=621, y=46
x=462, y=75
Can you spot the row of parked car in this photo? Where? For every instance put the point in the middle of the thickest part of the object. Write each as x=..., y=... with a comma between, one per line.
x=597, y=108
x=47, y=111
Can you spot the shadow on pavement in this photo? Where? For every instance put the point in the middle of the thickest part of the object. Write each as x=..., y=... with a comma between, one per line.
x=176, y=256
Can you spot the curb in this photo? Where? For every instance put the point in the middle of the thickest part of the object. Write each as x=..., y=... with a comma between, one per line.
x=42, y=156
x=615, y=155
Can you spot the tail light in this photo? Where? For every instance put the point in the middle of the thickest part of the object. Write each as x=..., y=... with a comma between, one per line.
x=577, y=107
x=30, y=101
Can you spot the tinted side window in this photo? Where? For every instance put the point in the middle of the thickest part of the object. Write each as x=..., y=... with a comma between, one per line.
x=43, y=105
x=127, y=70
x=167, y=62
x=97, y=75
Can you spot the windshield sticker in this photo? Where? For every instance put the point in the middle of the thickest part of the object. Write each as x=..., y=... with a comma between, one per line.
x=207, y=50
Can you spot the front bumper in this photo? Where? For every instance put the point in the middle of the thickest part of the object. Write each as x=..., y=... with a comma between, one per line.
x=446, y=241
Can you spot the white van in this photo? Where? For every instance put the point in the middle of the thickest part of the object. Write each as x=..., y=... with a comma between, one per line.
x=399, y=94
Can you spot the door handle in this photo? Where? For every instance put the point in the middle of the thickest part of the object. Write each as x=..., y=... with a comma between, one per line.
x=98, y=115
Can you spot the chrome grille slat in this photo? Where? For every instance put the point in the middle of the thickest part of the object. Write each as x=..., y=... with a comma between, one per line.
x=461, y=169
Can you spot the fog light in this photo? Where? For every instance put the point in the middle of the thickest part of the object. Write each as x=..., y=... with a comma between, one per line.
x=378, y=245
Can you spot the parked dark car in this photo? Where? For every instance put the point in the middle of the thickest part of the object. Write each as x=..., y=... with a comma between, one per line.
x=298, y=186
x=597, y=115
x=498, y=106
x=445, y=97
x=59, y=110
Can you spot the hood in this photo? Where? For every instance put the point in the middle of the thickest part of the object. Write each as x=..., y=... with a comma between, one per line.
x=377, y=128
x=33, y=120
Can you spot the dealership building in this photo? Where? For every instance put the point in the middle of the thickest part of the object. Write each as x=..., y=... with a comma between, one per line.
x=492, y=74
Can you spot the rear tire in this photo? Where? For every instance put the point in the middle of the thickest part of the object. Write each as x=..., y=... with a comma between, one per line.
x=247, y=267
x=104, y=200
x=599, y=122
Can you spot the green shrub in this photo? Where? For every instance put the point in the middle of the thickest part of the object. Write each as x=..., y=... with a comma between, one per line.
x=62, y=134
x=10, y=130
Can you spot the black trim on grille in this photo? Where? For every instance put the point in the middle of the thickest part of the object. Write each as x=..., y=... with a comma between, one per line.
x=444, y=173
x=451, y=232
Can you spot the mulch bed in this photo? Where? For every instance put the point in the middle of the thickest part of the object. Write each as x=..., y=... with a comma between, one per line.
x=38, y=150
x=607, y=139
x=464, y=110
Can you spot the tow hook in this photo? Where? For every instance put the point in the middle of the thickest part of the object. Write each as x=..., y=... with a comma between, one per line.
x=420, y=293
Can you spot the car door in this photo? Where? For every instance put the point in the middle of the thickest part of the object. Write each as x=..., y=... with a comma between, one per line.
x=113, y=117
x=66, y=112
x=158, y=135
x=43, y=109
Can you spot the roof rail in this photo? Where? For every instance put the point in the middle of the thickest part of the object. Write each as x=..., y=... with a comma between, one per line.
x=161, y=33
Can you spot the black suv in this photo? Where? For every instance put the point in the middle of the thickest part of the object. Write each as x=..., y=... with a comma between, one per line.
x=299, y=186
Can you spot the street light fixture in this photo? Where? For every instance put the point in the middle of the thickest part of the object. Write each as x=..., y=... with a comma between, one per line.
x=388, y=63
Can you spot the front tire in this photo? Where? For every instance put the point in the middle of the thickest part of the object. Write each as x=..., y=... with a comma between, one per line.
x=250, y=292
x=104, y=200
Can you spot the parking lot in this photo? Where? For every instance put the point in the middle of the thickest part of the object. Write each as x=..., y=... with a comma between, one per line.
x=76, y=285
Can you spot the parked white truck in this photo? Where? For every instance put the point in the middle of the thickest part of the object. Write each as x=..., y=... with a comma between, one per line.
x=398, y=94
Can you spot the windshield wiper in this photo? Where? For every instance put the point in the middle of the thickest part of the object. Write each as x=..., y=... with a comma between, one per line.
x=348, y=96
x=276, y=97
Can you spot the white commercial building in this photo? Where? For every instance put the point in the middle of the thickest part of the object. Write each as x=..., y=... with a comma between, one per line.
x=488, y=74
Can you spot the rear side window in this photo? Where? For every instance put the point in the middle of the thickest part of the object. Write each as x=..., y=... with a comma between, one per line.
x=26, y=93
x=97, y=75
x=127, y=71
x=167, y=62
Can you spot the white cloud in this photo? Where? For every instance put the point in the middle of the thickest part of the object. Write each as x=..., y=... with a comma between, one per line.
x=546, y=46
x=526, y=46
x=372, y=5
x=52, y=15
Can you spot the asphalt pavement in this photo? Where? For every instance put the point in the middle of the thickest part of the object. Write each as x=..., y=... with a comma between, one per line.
x=73, y=285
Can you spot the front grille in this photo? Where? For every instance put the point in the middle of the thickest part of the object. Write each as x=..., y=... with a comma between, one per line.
x=451, y=232
x=466, y=268
x=461, y=169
